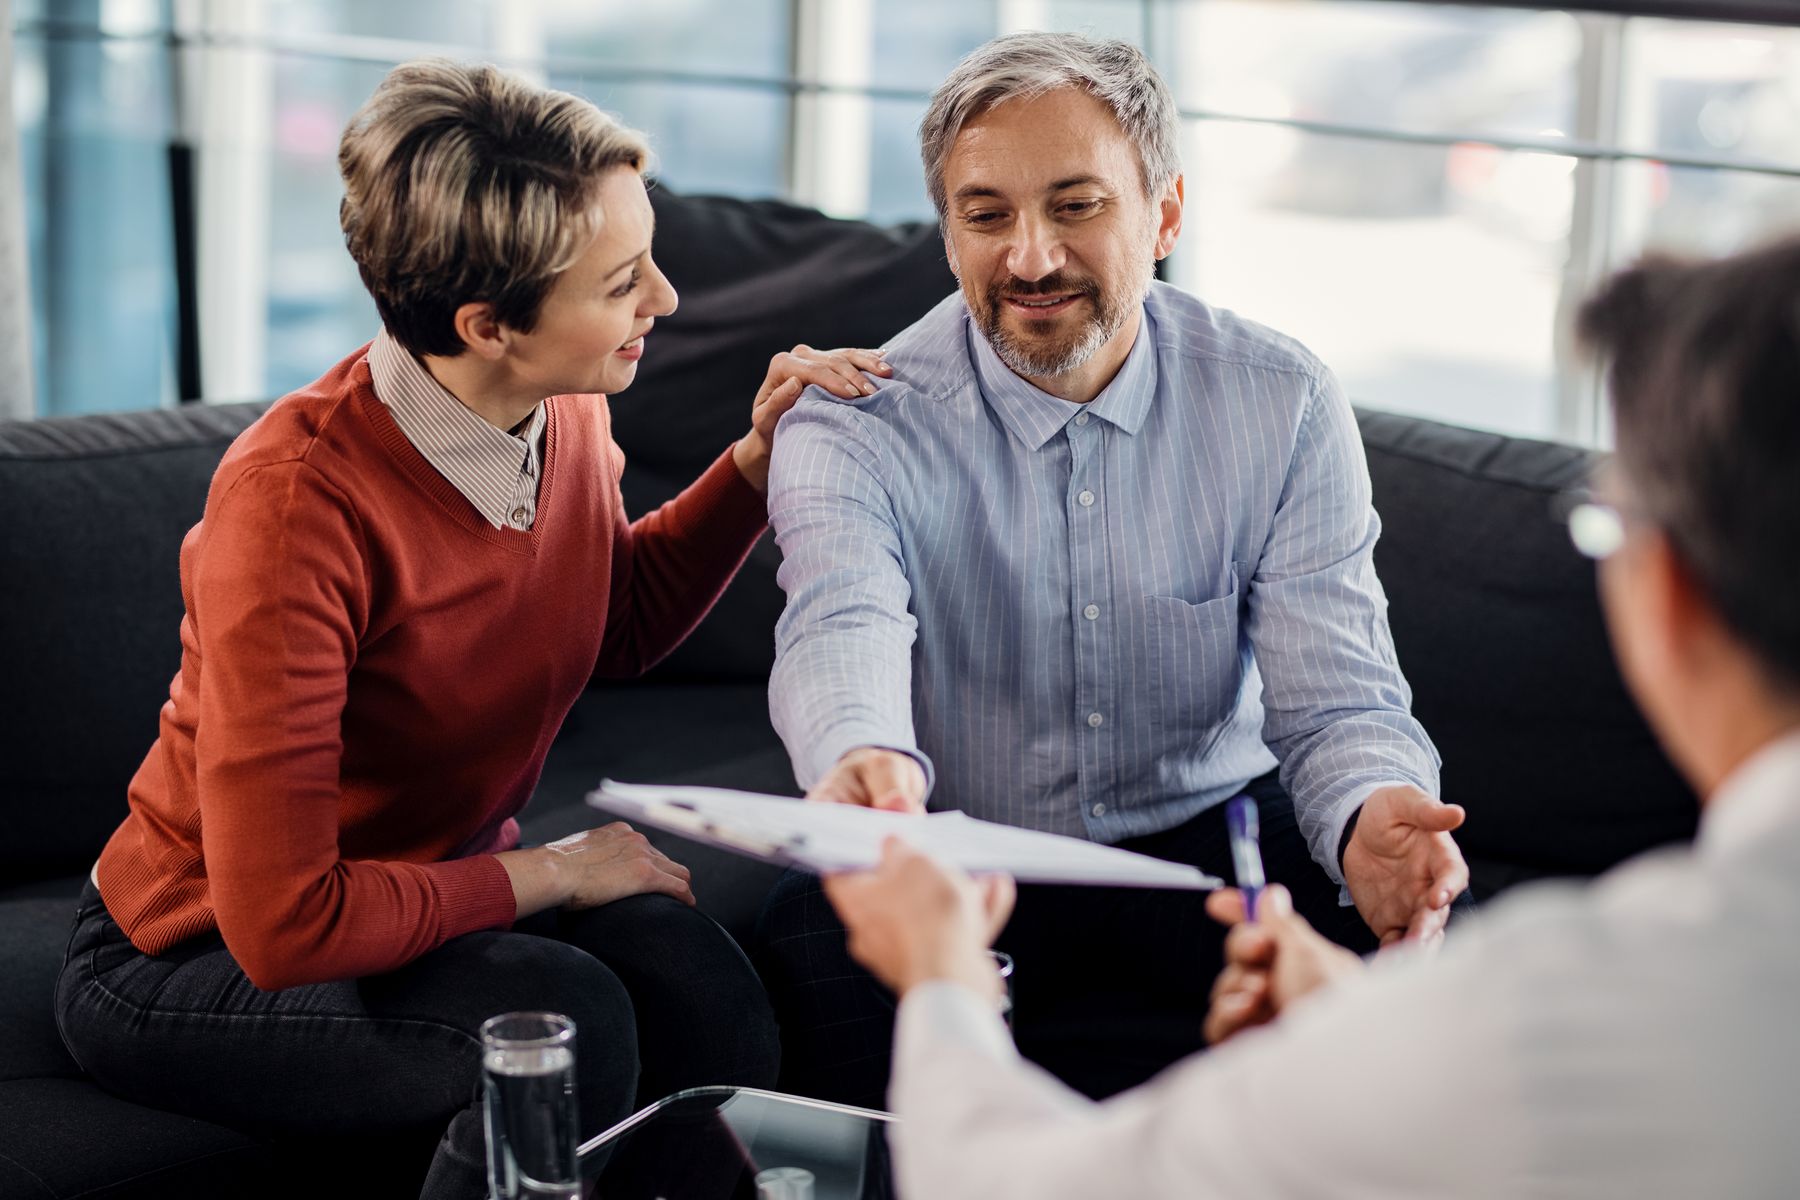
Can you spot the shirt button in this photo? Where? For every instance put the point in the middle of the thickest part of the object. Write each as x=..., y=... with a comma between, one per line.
x=1086, y=499
x=518, y=517
x=1091, y=612
x=1095, y=720
x=1099, y=810
x=1081, y=419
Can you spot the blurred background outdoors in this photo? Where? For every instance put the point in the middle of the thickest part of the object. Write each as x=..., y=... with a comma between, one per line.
x=1420, y=192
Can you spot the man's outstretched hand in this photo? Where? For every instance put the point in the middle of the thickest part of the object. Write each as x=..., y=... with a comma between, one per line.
x=1402, y=867
x=870, y=777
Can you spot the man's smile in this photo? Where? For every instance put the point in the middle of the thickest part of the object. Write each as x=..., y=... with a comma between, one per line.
x=1039, y=308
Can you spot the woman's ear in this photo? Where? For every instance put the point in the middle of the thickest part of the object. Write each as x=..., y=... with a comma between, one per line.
x=480, y=331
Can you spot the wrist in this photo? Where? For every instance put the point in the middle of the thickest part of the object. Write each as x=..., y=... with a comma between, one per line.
x=863, y=754
x=537, y=878
x=750, y=454
x=964, y=966
x=1343, y=846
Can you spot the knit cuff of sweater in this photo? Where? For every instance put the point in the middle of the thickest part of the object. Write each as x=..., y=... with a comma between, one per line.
x=473, y=893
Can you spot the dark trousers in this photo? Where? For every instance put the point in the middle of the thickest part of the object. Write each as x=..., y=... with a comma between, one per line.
x=1110, y=985
x=662, y=1000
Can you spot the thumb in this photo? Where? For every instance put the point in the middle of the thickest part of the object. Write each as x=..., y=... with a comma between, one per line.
x=1436, y=816
x=998, y=894
x=1226, y=906
x=1275, y=913
x=1275, y=903
x=782, y=398
x=890, y=784
x=830, y=791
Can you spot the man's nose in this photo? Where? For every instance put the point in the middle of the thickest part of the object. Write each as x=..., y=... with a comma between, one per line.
x=1036, y=251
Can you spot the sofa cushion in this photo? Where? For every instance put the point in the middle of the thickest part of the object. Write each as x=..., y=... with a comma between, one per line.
x=96, y=509
x=1498, y=628
x=85, y=1143
x=33, y=935
x=66, y=1139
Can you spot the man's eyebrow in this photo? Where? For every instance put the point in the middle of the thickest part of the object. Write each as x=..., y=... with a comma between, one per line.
x=974, y=190
x=1073, y=181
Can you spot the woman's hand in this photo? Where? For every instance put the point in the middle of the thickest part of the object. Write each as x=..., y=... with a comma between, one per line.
x=837, y=371
x=586, y=870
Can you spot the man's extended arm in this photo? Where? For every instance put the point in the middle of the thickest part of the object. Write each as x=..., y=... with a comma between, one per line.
x=843, y=647
x=1337, y=705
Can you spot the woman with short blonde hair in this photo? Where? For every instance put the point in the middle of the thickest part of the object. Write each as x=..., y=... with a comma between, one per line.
x=405, y=575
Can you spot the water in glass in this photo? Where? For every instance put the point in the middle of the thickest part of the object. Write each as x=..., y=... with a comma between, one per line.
x=528, y=1066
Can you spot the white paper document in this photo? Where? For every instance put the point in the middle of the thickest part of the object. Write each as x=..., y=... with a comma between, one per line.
x=837, y=837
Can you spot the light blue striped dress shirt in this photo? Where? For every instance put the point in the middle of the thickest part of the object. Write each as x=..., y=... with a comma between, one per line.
x=1099, y=619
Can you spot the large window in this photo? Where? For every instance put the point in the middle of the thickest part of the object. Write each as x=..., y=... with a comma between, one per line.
x=1420, y=192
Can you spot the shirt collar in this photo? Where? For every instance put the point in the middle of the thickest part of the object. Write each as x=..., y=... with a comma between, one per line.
x=1034, y=416
x=482, y=462
x=1756, y=799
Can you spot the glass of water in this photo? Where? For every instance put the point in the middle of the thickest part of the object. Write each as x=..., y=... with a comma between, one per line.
x=528, y=1079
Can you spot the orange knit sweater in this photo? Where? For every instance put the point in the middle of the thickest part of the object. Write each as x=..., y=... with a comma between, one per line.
x=372, y=674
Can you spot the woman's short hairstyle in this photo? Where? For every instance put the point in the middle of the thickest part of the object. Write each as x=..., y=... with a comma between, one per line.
x=1705, y=383
x=462, y=184
x=1024, y=66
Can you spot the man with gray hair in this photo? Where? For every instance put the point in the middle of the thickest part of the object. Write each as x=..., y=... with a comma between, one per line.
x=1094, y=560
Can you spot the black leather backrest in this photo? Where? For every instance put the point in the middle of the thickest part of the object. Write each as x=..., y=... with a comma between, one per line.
x=755, y=277
x=90, y=609
x=1498, y=628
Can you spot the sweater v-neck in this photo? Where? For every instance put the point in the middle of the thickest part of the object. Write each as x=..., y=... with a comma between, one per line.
x=432, y=481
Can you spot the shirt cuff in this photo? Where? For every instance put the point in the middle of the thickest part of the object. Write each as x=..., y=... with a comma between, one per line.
x=1335, y=828
x=836, y=743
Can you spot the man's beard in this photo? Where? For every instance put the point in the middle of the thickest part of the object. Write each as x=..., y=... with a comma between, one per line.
x=1041, y=357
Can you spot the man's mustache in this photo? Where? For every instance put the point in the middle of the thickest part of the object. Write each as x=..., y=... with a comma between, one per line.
x=1050, y=285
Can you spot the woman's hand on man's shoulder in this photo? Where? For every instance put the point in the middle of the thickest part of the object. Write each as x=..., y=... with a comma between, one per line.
x=839, y=372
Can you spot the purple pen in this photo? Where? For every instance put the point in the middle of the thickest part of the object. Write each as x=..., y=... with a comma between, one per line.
x=1246, y=851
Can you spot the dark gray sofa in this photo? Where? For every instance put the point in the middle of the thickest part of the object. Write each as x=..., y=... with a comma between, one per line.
x=1495, y=619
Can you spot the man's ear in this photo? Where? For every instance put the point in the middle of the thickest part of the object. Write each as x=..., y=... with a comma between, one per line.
x=1686, y=630
x=950, y=253
x=1688, y=612
x=1168, y=227
x=481, y=331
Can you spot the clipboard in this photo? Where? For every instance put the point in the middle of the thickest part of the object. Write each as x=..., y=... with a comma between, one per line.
x=822, y=838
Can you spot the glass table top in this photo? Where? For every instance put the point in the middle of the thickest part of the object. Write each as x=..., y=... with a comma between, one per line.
x=712, y=1143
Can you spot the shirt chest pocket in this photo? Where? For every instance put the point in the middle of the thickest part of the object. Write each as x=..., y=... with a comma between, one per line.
x=1193, y=663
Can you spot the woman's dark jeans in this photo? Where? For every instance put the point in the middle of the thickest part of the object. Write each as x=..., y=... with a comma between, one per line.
x=662, y=1000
